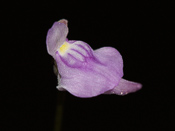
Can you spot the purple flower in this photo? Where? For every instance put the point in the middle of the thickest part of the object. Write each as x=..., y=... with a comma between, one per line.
x=86, y=72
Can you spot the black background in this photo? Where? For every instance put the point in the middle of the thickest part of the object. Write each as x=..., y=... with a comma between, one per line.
x=142, y=32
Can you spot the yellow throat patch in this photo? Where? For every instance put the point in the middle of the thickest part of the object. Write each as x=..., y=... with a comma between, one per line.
x=64, y=47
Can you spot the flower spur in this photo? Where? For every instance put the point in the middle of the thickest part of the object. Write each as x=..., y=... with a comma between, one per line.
x=86, y=72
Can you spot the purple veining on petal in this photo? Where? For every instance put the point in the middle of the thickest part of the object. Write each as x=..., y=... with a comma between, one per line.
x=81, y=49
x=76, y=52
x=85, y=46
x=71, y=61
x=89, y=53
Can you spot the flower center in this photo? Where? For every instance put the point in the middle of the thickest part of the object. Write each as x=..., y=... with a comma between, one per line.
x=64, y=47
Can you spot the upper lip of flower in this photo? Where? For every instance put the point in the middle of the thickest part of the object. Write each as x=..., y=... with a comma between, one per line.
x=56, y=36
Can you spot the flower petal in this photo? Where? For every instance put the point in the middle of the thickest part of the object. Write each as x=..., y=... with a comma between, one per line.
x=124, y=87
x=90, y=77
x=56, y=36
x=111, y=57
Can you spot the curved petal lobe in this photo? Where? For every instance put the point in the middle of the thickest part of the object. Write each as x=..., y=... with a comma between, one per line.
x=124, y=87
x=111, y=57
x=56, y=36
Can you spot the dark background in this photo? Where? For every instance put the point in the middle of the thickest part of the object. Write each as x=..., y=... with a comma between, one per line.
x=143, y=33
